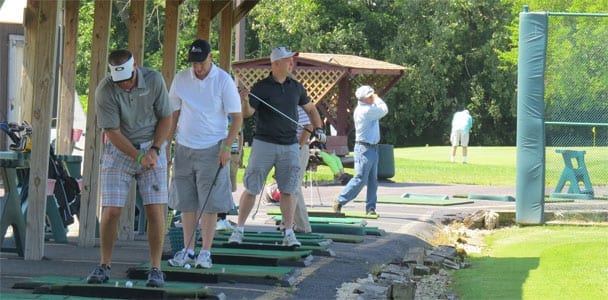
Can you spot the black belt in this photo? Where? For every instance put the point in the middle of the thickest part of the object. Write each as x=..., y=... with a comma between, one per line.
x=234, y=152
x=366, y=144
x=137, y=146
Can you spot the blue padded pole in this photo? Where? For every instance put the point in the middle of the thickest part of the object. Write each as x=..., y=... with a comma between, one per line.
x=530, y=176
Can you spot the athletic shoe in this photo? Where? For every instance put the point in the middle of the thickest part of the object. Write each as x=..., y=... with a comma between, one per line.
x=223, y=224
x=236, y=237
x=371, y=211
x=101, y=274
x=181, y=258
x=290, y=240
x=204, y=260
x=156, y=278
x=337, y=206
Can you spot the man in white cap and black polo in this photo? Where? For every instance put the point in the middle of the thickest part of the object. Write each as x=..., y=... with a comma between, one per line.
x=275, y=144
x=370, y=109
x=134, y=112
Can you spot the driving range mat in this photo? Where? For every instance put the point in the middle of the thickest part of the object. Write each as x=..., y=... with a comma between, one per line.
x=271, y=239
x=344, y=238
x=413, y=201
x=316, y=250
x=329, y=214
x=338, y=228
x=324, y=220
x=283, y=276
x=75, y=286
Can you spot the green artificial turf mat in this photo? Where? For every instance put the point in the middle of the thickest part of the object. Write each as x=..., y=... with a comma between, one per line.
x=29, y=296
x=410, y=201
x=281, y=275
x=491, y=197
x=270, y=240
x=316, y=250
x=425, y=196
x=557, y=200
x=330, y=214
x=344, y=238
x=75, y=286
x=329, y=220
x=338, y=228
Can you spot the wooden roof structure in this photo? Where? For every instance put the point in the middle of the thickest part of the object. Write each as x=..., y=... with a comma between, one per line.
x=330, y=80
x=42, y=74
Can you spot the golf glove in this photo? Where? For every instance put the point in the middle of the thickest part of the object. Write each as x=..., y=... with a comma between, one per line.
x=320, y=135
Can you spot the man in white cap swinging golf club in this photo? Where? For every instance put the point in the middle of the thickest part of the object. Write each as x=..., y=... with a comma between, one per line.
x=275, y=99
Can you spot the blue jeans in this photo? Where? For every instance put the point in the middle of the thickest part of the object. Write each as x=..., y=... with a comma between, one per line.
x=366, y=173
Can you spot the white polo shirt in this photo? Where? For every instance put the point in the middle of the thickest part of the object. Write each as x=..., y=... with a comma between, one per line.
x=204, y=106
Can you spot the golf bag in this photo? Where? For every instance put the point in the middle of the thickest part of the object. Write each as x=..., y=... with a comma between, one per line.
x=67, y=191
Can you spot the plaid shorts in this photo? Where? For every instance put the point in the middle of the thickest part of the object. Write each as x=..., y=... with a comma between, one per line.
x=118, y=170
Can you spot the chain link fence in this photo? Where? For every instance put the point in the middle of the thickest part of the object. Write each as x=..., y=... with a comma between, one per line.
x=576, y=102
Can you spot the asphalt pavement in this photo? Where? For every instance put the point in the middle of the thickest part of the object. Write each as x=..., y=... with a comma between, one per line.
x=405, y=226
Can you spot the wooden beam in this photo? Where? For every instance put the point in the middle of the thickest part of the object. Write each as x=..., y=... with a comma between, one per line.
x=93, y=139
x=225, y=42
x=242, y=9
x=44, y=69
x=65, y=109
x=170, y=40
x=203, y=29
x=137, y=15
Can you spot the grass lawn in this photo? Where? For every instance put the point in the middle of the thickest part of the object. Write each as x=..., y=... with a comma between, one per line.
x=494, y=166
x=548, y=262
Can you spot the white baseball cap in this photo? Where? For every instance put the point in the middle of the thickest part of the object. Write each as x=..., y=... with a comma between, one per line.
x=280, y=53
x=363, y=92
x=124, y=71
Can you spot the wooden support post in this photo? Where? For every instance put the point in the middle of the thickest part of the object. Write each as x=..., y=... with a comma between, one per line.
x=170, y=40
x=67, y=79
x=93, y=139
x=226, y=38
x=42, y=72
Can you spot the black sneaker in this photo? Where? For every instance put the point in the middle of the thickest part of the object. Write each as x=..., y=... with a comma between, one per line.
x=371, y=212
x=156, y=278
x=101, y=274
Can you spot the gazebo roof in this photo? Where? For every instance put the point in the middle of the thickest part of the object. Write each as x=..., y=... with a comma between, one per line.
x=330, y=80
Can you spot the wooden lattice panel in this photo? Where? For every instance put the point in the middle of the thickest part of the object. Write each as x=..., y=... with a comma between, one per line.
x=318, y=82
x=248, y=76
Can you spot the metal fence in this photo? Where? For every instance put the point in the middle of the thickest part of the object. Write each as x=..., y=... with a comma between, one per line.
x=576, y=98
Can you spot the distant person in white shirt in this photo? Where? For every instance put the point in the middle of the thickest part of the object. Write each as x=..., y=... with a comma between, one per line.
x=461, y=125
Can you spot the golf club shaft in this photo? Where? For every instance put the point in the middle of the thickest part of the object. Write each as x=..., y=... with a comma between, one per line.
x=280, y=112
x=200, y=214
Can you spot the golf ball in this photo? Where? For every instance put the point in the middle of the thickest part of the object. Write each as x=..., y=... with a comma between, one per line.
x=129, y=284
x=187, y=266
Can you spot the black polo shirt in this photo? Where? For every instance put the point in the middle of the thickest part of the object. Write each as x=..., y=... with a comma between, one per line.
x=272, y=127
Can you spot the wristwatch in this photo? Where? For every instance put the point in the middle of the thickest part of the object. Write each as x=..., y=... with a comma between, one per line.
x=156, y=149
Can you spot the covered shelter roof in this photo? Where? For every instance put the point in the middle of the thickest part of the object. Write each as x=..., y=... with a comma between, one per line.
x=330, y=80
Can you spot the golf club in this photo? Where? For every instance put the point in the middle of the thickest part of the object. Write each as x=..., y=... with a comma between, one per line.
x=259, y=200
x=349, y=74
x=280, y=113
x=200, y=214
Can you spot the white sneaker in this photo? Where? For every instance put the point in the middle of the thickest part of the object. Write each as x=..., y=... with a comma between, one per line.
x=204, y=260
x=181, y=258
x=236, y=237
x=290, y=240
x=223, y=224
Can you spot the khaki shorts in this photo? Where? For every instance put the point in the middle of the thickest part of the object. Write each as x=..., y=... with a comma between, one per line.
x=284, y=158
x=194, y=174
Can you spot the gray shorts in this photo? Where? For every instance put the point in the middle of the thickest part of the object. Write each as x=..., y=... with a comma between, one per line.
x=284, y=158
x=194, y=171
x=118, y=171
